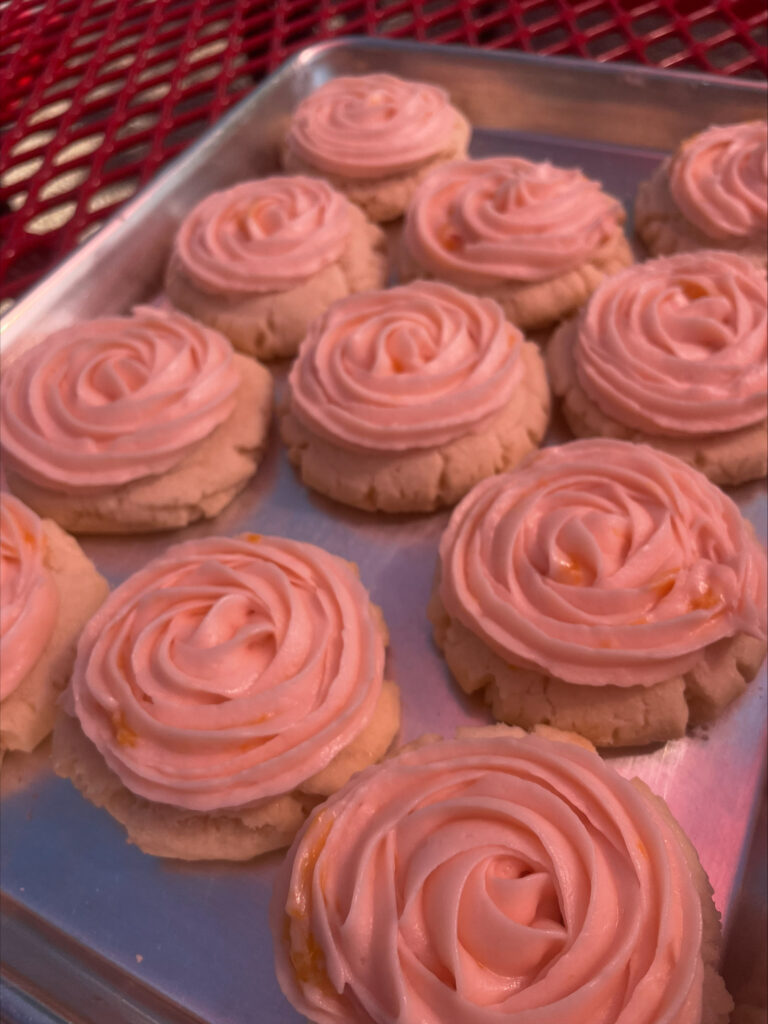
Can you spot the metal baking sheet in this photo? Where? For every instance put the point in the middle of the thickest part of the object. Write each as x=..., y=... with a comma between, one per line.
x=94, y=930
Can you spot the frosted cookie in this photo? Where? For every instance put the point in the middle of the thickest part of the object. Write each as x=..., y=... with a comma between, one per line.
x=223, y=691
x=673, y=353
x=48, y=591
x=712, y=193
x=402, y=400
x=261, y=260
x=375, y=137
x=605, y=588
x=128, y=424
x=536, y=238
x=496, y=877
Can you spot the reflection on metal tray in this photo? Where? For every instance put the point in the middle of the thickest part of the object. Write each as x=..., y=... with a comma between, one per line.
x=93, y=927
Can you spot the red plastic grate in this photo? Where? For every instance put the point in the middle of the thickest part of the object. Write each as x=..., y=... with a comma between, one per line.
x=99, y=94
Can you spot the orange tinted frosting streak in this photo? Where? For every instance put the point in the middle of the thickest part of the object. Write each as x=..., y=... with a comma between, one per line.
x=405, y=368
x=29, y=600
x=507, y=219
x=489, y=880
x=108, y=401
x=371, y=126
x=678, y=345
x=565, y=565
x=263, y=236
x=228, y=671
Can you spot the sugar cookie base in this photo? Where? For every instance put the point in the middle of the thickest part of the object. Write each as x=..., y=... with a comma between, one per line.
x=732, y=457
x=664, y=230
x=27, y=714
x=233, y=834
x=271, y=325
x=541, y=304
x=422, y=480
x=386, y=198
x=609, y=716
x=199, y=487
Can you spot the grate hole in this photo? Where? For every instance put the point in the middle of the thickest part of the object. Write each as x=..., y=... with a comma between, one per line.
x=63, y=183
x=100, y=92
x=155, y=70
x=487, y=8
x=490, y=33
x=760, y=34
x=541, y=12
x=124, y=41
x=32, y=142
x=607, y=43
x=118, y=63
x=51, y=220
x=131, y=155
x=708, y=27
x=184, y=133
x=395, y=23
x=438, y=7
x=79, y=148
x=20, y=172
x=201, y=75
x=49, y=111
x=150, y=95
x=110, y=195
x=138, y=123
x=208, y=50
x=726, y=53
x=220, y=25
x=661, y=51
x=551, y=38
x=77, y=60
x=86, y=233
x=63, y=85
x=648, y=23
x=592, y=19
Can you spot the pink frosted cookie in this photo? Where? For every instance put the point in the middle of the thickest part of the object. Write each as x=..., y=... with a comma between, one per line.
x=374, y=137
x=536, y=238
x=605, y=588
x=261, y=260
x=223, y=691
x=134, y=423
x=48, y=591
x=673, y=353
x=402, y=400
x=711, y=194
x=496, y=877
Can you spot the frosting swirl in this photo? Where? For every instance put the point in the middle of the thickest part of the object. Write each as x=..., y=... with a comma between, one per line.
x=679, y=345
x=602, y=562
x=263, y=236
x=369, y=126
x=489, y=879
x=410, y=367
x=108, y=401
x=228, y=671
x=508, y=219
x=29, y=600
x=719, y=181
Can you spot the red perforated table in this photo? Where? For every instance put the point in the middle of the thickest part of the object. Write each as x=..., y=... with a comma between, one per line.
x=97, y=95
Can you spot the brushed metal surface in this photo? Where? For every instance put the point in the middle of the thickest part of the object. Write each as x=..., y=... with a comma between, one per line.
x=197, y=934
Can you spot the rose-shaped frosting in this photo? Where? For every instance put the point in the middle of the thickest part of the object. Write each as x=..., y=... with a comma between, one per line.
x=504, y=878
x=228, y=671
x=678, y=346
x=372, y=125
x=263, y=236
x=406, y=368
x=29, y=600
x=108, y=401
x=508, y=219
x=719, y=181
x=602, y=562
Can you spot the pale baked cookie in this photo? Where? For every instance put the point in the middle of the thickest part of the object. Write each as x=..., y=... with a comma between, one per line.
x=223, y=691
x=375, y=137
x=128, y=424
x=536, y=238
x=673, y=353
x=402, y=400
x=48, y=591
x=263, y=259
x=712, y=193
x=602, y=587
x=496, y=877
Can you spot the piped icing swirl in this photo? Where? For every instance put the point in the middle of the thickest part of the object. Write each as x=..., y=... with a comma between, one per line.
x=108, y=401
x=29, y=600
x=411, y=367
x=719, y=181
x=263, y=236
x=508, y=219
x=369, y=126
x=678, y=346
x=489, y=879
x=602, y=562
x=228, y=671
